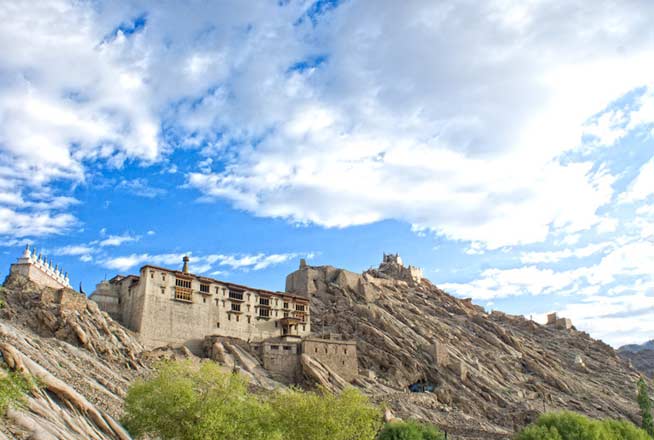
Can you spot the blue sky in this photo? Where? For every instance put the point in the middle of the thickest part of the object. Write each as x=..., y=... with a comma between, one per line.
x=505, y=148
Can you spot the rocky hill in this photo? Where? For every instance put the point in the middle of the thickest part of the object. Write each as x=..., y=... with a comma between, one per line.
x=486, y=374
x=490, y=373
x=641, y=356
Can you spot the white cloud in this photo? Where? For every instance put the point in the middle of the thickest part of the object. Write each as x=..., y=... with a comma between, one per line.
x=74, y=250
x=140, y=187
x=457, y=128
x=202, y=263
x=642, y=186
x=116, y=240
x=629, y=259
x=556, y=256
x=365, y=137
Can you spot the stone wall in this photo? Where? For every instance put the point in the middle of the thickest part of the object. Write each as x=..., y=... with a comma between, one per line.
x=282, y=360
x=108, y=300
x=340, y=356
x=66, y=299
x=35, y=274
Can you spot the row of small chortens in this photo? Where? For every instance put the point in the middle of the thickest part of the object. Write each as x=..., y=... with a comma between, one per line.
x=44, y=265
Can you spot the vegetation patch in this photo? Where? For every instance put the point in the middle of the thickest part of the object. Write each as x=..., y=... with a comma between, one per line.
x=571, y=426
x=410, y=430
x=187, y=402
x=13, y=389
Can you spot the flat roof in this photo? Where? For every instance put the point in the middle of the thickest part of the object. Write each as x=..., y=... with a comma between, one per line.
x=235, y=286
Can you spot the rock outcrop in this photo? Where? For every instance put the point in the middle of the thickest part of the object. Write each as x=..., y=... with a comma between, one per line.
x=490, y=374
x=80, y=359
x=640, y=356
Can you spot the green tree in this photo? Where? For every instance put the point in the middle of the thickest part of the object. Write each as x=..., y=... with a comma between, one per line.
x=410, y=430
x=645, y=407
x=535, y=432
x=623, y=430
x=185, y=402
x=189, y=402
x=322, y=415
x=571, y=426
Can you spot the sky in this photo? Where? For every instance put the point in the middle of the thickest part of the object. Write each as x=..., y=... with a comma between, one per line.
x=506, y=147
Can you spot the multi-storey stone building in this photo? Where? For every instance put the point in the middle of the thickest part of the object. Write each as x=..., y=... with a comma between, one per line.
x=166, y=306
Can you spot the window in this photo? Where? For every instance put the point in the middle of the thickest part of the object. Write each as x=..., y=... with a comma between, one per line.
x=217, y=325
x=238, y=296
x=285, y=314
x=264, y=301
x=236, y=307
x=183, y=290
x=287, y=347
x=163, y=290
x=275, y=324
x=163, y=276
x=345, y=350
x=299, y=307
x=229, y=317
x=274, y=347
x=183, y=283
x=204, y=288
x=151, y=274
x=304, y=327
x=204, y=300
x=216, y=290
x=286, y=305
x=316, y=349
x=248, y=319
x=238, y=318
x=264, y=313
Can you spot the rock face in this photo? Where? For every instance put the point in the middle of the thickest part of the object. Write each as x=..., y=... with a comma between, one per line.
x=640, y=356
x=483, y=375
x=82, y=360
x=486, y=374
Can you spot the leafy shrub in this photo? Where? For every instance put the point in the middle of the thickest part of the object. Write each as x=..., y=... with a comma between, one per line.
x=317, y=416
x=13, y=387
x=623, y=430
x=187, y=402
x=571, y=426
x=410, y=430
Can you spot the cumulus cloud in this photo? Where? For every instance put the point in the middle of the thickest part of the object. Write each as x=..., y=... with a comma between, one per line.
x=453, y=125
x=614, y=270
x=345, y=116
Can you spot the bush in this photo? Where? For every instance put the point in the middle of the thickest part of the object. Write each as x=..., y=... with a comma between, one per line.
x=13, y=388
x=317, y=416
x=571, y=426
x=410, y=430
x=186, y=402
